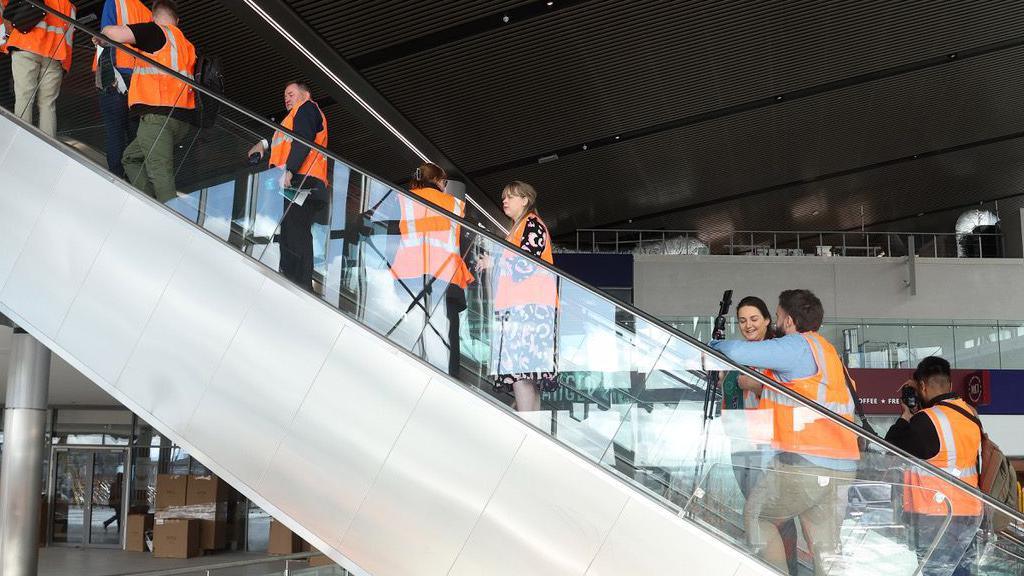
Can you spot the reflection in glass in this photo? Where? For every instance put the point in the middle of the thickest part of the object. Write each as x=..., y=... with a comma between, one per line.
x=632, y=396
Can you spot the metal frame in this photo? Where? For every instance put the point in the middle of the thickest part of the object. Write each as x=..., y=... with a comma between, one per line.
x=210, y=568
x=87, y=518
x=620, y=245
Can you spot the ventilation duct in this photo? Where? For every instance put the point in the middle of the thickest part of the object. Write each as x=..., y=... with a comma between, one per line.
x=679, y=245
x=968, y=226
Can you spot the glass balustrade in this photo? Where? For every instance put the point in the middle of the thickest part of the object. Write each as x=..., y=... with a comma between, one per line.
x=899, y=343
x=632, y=394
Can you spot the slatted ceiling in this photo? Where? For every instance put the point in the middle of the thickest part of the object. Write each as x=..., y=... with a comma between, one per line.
x=930, y=109
x=356, y=28
x=366, y=147
x=605, y=67
x=925, y=186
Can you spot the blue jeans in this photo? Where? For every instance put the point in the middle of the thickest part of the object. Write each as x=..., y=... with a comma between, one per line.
x=955, y=552
x=120, y=128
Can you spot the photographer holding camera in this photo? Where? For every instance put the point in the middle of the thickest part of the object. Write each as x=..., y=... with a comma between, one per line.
x=935, y=427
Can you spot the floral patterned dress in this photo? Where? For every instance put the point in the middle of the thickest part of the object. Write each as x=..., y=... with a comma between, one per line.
x=523, y=340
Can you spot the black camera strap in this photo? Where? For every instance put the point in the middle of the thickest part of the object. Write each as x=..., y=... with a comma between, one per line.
x=858, y=408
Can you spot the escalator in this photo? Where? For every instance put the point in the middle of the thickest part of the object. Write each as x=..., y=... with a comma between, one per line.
x=330, y=410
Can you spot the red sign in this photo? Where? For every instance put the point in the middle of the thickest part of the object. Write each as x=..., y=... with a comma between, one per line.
x=879, y=389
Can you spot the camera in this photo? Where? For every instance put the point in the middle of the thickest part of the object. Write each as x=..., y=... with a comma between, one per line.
x=909, y=398
x=723, y=316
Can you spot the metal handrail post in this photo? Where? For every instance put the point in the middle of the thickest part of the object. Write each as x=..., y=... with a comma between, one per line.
x=641, y=240
x=844, y=243
x=935, y=245
x=616, y=241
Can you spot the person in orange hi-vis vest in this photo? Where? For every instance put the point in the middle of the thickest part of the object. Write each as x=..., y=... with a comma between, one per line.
x=430, y=271
x=40, y=55
x=813, y=459
x=164, y=104
x=940, y=429
x=525, y=296
x=113, y=71
x=746, y=422
x=302, y=168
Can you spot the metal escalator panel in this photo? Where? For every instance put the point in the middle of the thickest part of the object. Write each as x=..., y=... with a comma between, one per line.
x=380, y=460
x=331, y=404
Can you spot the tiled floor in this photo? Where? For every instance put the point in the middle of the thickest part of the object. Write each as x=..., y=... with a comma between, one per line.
x=62, y=561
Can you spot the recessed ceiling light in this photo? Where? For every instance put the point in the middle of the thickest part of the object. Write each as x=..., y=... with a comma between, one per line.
x=551, y=3
x=616, y=137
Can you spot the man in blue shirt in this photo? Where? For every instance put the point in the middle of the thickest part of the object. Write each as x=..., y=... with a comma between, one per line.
x=113, y=77
x=812, y=458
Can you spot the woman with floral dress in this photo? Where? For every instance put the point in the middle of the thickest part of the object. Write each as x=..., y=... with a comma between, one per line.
x=525, y=304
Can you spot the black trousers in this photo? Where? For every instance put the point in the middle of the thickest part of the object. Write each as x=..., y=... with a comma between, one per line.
x=296, y=237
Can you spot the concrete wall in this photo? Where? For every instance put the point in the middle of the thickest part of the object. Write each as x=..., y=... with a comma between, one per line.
x=848, y=287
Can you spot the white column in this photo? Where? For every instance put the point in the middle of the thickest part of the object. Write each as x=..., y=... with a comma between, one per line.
x=28, y=379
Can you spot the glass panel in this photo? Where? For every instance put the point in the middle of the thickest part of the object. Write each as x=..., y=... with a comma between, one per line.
x=258, y=529
x=884, y=345
x=624, y=391
x=1011, y=345
x=977, y=346
x=71, y=496
x=107, y=498
x=931, y=340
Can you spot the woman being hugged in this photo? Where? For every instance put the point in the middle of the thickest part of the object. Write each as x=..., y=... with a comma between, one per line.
x=525, y=304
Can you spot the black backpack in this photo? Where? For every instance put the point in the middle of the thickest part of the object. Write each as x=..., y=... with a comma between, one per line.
x=23, y=15
x=208, y=75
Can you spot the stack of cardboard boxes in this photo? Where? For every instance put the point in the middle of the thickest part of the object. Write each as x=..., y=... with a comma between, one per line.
x=191, y=515
x=283, y=541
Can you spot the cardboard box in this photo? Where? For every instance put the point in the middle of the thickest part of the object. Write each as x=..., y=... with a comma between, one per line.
x=206, y=490
x=171, y=490
x=320, y=561
x=212, y=534
x=212, y=519
x=283, y=540
x=135, y=532
x=176, y=538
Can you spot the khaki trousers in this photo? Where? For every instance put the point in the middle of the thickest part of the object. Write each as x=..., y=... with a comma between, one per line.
x=814, y=495
x=36, y=81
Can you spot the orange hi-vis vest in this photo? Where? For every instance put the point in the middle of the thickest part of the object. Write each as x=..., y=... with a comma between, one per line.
x=51, y=36
x=315, y=165
x=800, y=430
x=152, y=86
x=539, y=287
x=128, y=12
x=959, y=455
x=430, y=241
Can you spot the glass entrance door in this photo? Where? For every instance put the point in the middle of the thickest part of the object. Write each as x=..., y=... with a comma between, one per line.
x=87, y=496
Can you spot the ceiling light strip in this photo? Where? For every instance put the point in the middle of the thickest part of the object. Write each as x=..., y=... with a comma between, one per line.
x=352, y=93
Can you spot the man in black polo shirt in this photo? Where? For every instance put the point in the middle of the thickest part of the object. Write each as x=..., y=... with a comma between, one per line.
x=943, y=431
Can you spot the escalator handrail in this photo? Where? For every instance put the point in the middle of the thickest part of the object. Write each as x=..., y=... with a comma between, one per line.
x=467, y=224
